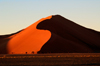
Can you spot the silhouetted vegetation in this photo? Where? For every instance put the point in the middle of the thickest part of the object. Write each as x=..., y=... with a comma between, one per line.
x=26, y=52
x=32, y=52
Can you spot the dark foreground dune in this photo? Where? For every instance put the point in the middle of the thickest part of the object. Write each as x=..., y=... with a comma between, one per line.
x=54, y=34
x=53, y=59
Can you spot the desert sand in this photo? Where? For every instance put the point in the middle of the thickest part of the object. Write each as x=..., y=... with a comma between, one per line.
x=53, y=34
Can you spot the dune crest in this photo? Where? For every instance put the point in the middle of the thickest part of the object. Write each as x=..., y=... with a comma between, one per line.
x=53, y=34
x=28, y=40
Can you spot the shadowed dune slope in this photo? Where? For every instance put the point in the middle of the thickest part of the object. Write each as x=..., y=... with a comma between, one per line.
x=53, y=34
x=68, y=36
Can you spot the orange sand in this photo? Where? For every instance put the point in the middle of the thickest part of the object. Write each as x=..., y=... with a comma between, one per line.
x=28, y=40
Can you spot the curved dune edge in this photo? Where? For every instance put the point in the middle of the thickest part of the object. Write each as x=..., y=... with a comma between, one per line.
x=54, y=34
x=29, y=40
x=69, y=37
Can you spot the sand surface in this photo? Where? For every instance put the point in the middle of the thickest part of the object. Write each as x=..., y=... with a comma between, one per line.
x=53, y=34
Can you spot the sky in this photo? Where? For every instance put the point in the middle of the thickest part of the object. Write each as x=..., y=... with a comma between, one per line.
x=19, y=14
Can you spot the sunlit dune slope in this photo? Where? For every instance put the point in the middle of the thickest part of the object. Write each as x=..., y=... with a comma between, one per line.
x=53, y=34
x=29, y=40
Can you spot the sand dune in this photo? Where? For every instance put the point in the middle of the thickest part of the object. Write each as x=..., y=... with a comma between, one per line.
x=53, y=34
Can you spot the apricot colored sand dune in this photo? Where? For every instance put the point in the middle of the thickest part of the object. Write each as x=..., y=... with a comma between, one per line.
x=28, y=40
x=53, y=34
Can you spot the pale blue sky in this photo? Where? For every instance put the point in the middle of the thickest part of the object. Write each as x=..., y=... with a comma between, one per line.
x=19, y=14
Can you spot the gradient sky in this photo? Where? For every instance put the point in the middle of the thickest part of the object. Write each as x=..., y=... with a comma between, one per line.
x=19, y=14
